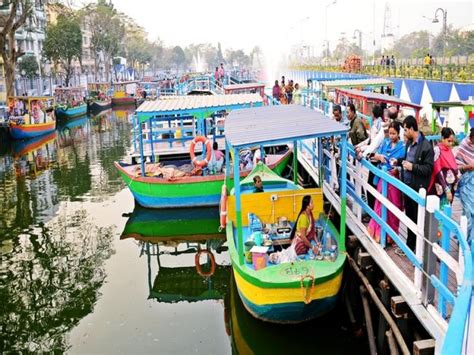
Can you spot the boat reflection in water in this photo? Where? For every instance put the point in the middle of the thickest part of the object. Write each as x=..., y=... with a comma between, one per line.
x=74, y=131
x=35, y=155
x=186, y=250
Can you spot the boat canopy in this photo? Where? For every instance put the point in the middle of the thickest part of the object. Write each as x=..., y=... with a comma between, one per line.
x=448, y=104
x=376, y=97
x=278, y=124
x=196, y=105
x=245, y=86
x=375, y=82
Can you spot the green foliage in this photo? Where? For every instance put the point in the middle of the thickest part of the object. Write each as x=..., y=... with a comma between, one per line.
x=29, y=64
x=237, y=58
x=412, y=45
x=63, y=42
x=178, y=58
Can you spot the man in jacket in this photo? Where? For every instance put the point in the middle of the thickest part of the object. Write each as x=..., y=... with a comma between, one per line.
x=357, y=132
x=417, y=168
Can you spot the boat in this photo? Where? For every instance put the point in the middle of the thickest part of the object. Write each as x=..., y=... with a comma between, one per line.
x=124, y=93
x=30, y=116
x=98, y=97
x=290, y=292
x=458, y=115
x=365, y=100
x=166, y=181
x=245, y=88
x=70, y=102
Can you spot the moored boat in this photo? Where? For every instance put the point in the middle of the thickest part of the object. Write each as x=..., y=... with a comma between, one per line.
x=124, y=93
x=70, y=102
x=98, y=97
x=272, y=289
x=30, y=117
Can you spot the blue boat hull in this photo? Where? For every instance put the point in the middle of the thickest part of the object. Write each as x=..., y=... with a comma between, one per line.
x=71, y=111
x=294, y=312
x=177, y=202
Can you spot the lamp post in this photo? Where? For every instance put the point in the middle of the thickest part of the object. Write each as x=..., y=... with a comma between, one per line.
x=360, y=38
x=23, y=78
x=445, y=27
x=326, y=27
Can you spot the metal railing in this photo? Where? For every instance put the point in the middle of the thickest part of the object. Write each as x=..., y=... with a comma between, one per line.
x=450, y=312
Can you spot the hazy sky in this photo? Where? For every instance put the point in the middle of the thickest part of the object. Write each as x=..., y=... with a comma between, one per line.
x=279, y=24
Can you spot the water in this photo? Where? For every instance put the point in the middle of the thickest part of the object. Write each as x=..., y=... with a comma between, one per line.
x=82, y=269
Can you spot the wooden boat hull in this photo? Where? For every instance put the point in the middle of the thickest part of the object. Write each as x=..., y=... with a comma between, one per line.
x=70, y=112
x=122, y=101
x=153, y=192
x=97, y=106
x=23, y=131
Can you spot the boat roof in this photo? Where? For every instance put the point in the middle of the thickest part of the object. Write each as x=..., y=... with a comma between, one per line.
x=45, y=98
x=372, y=96
x=340, y=77
x=356, y=83
x=453, y=103
x=191, y=105
x=70, y=88
x=125, y=82
x=243, y=86
x=278, y=124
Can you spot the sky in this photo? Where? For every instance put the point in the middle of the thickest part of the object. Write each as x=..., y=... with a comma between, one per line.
x=277, y=25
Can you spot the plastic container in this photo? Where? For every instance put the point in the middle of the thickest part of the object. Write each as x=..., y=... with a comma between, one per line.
x=259, y=260
x=248, y=255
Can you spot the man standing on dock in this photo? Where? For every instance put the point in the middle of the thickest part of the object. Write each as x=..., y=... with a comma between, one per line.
x=417, y=167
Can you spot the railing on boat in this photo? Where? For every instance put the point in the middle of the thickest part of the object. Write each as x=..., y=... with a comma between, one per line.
x=445, y=310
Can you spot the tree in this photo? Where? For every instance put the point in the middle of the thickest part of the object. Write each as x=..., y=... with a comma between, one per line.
x=10, y=22
x=178, y=58
x=157, y=55
x=237, y=58
x=30, y=65
x=107, y=29
x=63, y=43
x=138, y=49
x=413, y=45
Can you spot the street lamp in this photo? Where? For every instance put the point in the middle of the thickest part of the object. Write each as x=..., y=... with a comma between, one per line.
x=23, y=77
x=326, y=27
x=360, y=38
x=445, y=27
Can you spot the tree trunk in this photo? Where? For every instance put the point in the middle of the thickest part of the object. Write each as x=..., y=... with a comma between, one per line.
x=9, y=78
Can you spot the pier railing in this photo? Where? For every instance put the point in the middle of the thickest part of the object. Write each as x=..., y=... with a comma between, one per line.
x=436, y=278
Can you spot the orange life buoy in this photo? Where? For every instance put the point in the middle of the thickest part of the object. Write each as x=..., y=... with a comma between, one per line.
x=198, y=264
x=223, y=208
x=207, y=142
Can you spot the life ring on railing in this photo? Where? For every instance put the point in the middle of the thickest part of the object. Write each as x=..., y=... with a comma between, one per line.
x=223, y=208
x=207, y=142
x=198, y=264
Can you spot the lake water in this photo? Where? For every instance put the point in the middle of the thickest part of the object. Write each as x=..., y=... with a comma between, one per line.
x=83, y=270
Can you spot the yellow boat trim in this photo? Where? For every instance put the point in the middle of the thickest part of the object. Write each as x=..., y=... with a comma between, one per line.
x=265, y=296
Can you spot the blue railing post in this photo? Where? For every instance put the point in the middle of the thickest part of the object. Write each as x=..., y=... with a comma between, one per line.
x=443, y=272
x=151, y=140
x=383, y=232
x=142, y=158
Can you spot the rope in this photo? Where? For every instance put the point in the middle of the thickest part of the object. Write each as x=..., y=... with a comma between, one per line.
x=306, y=294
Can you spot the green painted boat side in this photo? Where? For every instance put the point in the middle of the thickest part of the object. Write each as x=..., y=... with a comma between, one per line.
x=207, y=185
x=276, y=276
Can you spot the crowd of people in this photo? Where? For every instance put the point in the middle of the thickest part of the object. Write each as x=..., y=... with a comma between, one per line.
x=398, y=146
x=286, y=93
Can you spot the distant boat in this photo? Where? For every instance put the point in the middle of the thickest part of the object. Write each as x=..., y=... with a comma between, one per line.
x=70, y=102
x=30, y=117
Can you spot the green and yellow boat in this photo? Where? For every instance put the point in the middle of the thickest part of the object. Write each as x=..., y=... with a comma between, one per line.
x=306, y=287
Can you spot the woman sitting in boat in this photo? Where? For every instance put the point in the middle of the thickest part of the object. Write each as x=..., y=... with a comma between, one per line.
x=304, y=230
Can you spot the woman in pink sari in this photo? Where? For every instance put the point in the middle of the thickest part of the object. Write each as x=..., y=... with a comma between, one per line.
x=391, y=148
